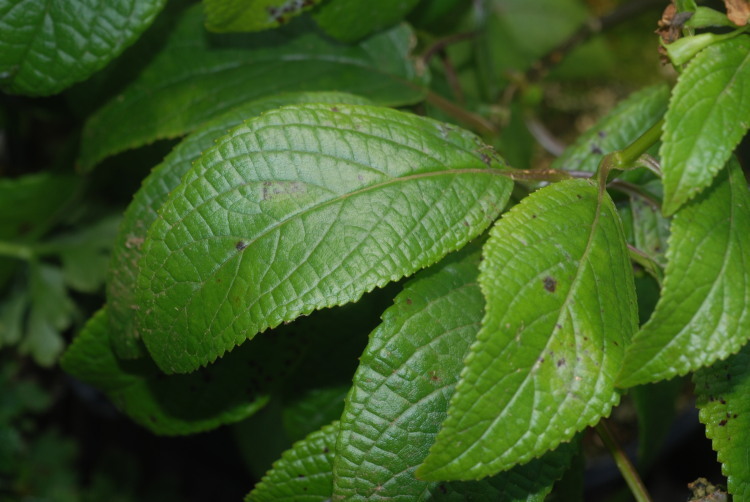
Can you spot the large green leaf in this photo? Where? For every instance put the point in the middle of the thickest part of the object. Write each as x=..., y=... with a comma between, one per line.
x=561, y=308
x=252, y=15
x=722, y=392
x=350, y=20
x=618, y=129
x=704, y=310
x=47, y=46
x=228, y=391
x=401, y=393
x=303, y=208
x=303, y=473
x=707, y=117
x=163, y=179
x=197, y=77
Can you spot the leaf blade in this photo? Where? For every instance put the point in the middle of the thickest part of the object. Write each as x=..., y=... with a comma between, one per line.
x=142, y=211
x=401, y=391
x=543, y=364
x=49, y=45
x=255, y=15
x=705, y=121
x=196, y=78
x=359, y=196
x=689, y=330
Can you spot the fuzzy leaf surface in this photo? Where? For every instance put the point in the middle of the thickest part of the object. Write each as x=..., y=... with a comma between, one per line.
x=722, y=392
x=350, y=20
x=164, y=178
x=252, y=15
x=303, y=208
x=303, y=473
x=197, y=77
x=401, y=392
x=47, y=46
x=559, y=314
x=704, y=311
x=623, y=125
x=228, y=391
x=706, y=120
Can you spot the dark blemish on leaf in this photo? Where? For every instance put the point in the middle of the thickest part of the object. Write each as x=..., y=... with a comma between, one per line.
x=300, y=475
x=240, y=245
x=722, y=401
x=616, y=344
x=585, y=339
x=434, y=377
x=550, y=284
x=326, y=450
x=561, y=362
x=558, y=326
x=541, y=360
x=734, y=416
x=722, y=423
x=602, y=134
x=596, y=150
x=334, y=109
x=360, y=177
x=486, y=160
x=533, y=216
x=408, y=301
x=465, y=223
x=579, y=196
x=443, y=489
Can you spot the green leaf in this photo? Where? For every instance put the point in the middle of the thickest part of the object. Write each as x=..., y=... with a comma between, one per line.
x=722, y=392
x=703, y=313
x=561, y=308
x=196, y=78
x=649, y=229
x=47, y=46
x=303, y=474
x=228, y=391
x=401, y=392
x=142, y=212
x=707, y=117
x=12, y=313
x=618, y=129
x=50, y=313
x=304, y=208
x=252, y=15
x=351, y=20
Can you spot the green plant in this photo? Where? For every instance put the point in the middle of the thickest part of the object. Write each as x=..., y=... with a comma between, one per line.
x=249, y=263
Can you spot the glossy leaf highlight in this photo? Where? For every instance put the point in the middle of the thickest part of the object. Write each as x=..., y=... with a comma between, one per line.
x=706, y=120
x=401, y=393
x=47, y=46
x=142, y=212
x=561, y=308
x=703, y=314
x=304, y=208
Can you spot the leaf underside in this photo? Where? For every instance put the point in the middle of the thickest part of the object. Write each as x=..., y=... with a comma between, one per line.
x=703, y=312
x=197, y=77
x=142, y=212
x=47, y=46
x=702, y=129
x=401, y=392
x=561, y=307
x=722, y=397
x=623, y=125
x=304, y=208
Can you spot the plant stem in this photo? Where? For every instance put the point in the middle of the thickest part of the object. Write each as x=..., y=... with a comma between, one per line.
x=14, y=250
x=623, y=463
x=630, y=154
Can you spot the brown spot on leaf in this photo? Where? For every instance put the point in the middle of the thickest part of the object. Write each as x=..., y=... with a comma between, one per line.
x=240, y=245
x=738, y=11
x=722, y=423
x=550, y=284
x=561, y=362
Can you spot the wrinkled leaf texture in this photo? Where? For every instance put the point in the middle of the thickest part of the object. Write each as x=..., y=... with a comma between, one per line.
x=703, y=314
x=303, y=208
x=142, y=211
x=706, y=120
x=47, y=46
x=401, y=392
x=561, y=308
